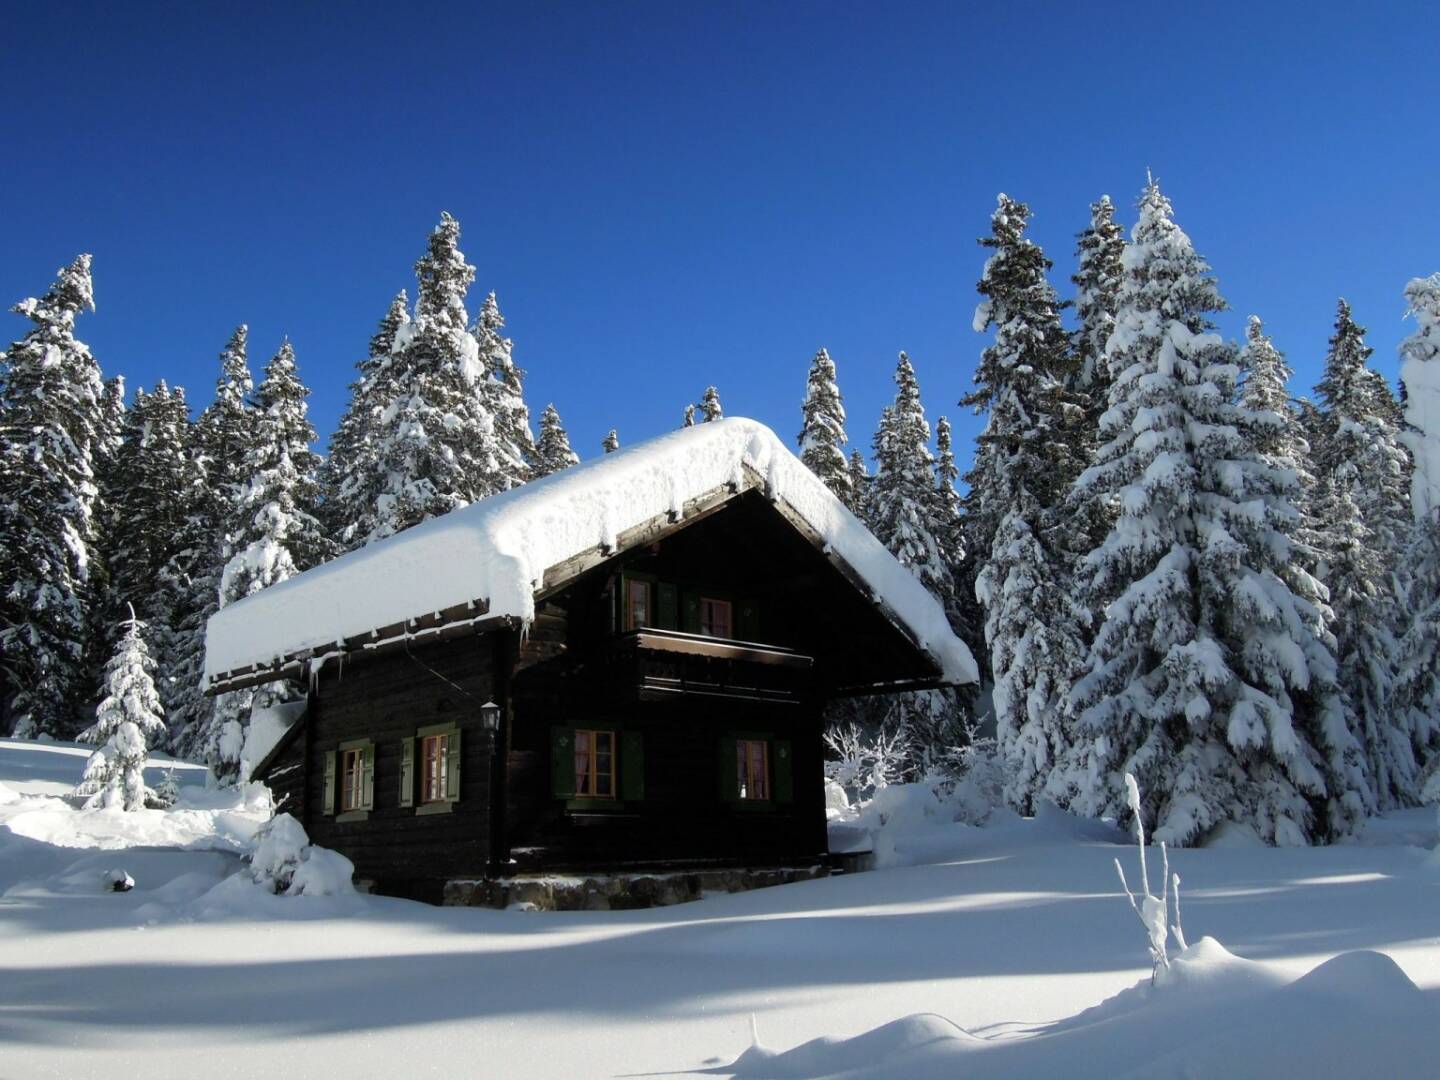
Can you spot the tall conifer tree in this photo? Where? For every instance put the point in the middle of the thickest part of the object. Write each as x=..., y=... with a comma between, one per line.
x=51, y=429
x=1190, y=683
x=822, y=428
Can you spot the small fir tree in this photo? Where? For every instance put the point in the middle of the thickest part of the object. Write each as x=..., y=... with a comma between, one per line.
x=127, y=722
x=552, y=451
x=689, y=418
x=611, y=442
x=710, y=406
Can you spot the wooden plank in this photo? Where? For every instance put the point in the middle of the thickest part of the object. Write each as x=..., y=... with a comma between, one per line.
x=694, y=645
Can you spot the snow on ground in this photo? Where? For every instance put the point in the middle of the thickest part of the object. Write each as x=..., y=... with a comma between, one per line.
x=1008, y=952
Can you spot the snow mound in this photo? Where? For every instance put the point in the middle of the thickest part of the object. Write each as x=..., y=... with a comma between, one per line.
x=8, y=795
x=497, y=550
x=1215, y=1014
x=886, y=1048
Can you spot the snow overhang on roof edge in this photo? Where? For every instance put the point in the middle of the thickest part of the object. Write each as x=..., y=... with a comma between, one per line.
x=492, y=557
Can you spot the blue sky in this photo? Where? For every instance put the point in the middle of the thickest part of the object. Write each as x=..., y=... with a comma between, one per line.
x=671, y=195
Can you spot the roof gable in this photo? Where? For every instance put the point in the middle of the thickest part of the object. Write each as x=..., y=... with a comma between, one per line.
x=489, y=561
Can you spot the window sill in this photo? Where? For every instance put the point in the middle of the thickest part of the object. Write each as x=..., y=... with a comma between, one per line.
x=352, y=815
x=425, y=809
x=594, y=804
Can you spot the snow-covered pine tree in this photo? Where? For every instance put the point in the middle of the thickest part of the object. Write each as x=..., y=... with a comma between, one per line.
x=822, y=428
x=1363, y=519
x=1025, y=460
x=902, y=507
x=1027, y=361
x=948, y=518
x=552, y=450
x=1275, y=431
x=710, y=406
x=225, y=439
x=515, y=441
x=127, y=722
x=611, y=442
x=110, y=434
x=1097, y=287
x=688, y=420
x=436, y=444
x=1190, y=681
x=1417, y=689
x=859, y=500
x=350, y=477
x=50, y=424
x=276, y=536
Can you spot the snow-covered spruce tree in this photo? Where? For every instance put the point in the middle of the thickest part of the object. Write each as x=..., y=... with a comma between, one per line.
x=127, y=722
x=822, y=428
x=1417, y=689
x=1190, y=681
x=50, y=424
x=276, y=537
x=350, y=477
x=902, y=507
x=1275, y=430
x=1097, y=288
x=1363, y=520
x=710, y=406
x=611, y=442
x=948, y=504
x=859, y=499
x=225, y=440
x=688, y=420
x=436, y=444
x=1025, y=461
x=515, y=442
x=552, y=450
x=110, y=434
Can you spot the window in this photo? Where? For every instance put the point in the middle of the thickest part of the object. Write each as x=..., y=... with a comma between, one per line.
x=352, y=780
x=637, y=604
x=434, y=786
x=714, y=617
x=752, y=768
x=594, y=764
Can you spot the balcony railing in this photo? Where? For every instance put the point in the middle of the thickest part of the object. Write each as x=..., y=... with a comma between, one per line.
x=658, y=664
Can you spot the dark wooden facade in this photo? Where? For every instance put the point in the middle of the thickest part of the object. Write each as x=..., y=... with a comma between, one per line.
x=678, y=700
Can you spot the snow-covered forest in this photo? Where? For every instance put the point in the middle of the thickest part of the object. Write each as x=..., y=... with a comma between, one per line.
x=1171, y=561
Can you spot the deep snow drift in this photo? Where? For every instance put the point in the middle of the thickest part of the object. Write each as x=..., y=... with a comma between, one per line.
x=1006, y=950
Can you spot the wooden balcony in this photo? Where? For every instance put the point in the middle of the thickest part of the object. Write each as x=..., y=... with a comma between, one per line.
x=658, y=664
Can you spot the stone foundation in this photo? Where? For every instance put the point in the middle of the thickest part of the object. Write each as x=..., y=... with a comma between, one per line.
x=616, y=892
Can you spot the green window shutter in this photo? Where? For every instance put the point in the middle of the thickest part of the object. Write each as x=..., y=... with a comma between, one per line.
x=452, y=767
x=407, y=772
x=729, y=781
x=667, y=606
x=330, y=782
x=690, y=622
x=632, y=766
x=367, y=797
x=747, y=621
x=782, y=773
x=562, y=762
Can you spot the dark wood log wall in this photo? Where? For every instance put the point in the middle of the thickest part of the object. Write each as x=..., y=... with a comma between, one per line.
x=386, y=700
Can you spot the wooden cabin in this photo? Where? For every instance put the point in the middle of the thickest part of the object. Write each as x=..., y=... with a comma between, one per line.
x=647, y=698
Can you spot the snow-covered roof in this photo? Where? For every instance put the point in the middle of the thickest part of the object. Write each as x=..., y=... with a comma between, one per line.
x=495, y=553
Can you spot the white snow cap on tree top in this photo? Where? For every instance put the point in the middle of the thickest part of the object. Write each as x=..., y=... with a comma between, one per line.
x=498, y=549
